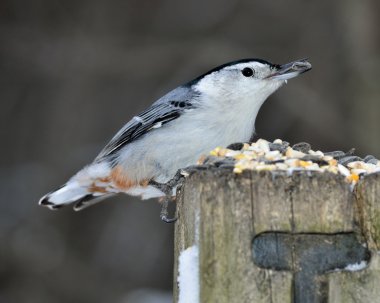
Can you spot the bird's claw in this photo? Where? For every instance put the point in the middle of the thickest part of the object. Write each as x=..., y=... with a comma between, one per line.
x=164, y=212
x=167, y=189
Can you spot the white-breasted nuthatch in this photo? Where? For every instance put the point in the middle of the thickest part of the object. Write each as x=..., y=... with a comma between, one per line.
x=215, y=109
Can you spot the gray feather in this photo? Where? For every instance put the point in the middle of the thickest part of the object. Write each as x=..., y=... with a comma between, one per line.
x=168, y=108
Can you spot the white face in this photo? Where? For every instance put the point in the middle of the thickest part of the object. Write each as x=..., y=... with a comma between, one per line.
x=249, y=80
x=241, y=81
x=230, y=97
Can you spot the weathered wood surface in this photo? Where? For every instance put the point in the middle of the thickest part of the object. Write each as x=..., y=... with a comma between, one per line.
x=363, y=286
x=368, y=206
x=223, y=214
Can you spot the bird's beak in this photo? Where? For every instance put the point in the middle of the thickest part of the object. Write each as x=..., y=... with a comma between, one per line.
x=290, y=70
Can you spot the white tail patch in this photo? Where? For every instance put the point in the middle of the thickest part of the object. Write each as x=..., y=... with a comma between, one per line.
x=68, y=193
x=78, y=189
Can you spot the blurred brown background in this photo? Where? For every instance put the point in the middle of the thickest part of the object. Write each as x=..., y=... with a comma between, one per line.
x=73, y=72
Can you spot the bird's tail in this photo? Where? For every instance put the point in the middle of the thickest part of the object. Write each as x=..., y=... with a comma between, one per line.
x=72, y=193
x=79, y=190
x=83, y=189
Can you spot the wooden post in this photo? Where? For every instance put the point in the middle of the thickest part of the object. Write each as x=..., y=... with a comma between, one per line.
x=363, y=286
x=272, y=237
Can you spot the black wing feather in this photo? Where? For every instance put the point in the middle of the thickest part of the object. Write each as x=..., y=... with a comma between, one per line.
x=158, y=113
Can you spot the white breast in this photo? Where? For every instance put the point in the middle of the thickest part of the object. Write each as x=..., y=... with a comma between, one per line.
x=180, y=143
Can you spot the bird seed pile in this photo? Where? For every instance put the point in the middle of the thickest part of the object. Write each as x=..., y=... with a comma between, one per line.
x=279, y=155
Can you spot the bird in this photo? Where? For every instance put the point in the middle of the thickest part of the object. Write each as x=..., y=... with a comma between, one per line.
x=145, y=156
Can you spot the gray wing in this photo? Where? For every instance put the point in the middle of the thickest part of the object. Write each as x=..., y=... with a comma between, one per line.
x=160, y=113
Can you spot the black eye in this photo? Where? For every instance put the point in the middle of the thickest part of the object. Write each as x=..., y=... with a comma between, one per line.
x=247, y=72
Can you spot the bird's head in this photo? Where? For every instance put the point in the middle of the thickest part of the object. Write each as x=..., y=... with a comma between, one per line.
x=253, y=79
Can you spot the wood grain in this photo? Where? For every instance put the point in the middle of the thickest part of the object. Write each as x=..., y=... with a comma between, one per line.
x=222, y=213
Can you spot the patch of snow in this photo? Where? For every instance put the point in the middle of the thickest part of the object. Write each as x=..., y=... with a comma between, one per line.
x=356, y=266
x=188, y=275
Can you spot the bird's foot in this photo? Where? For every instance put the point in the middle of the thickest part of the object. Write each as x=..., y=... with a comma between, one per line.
x=168, y=187
x=164, y=214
